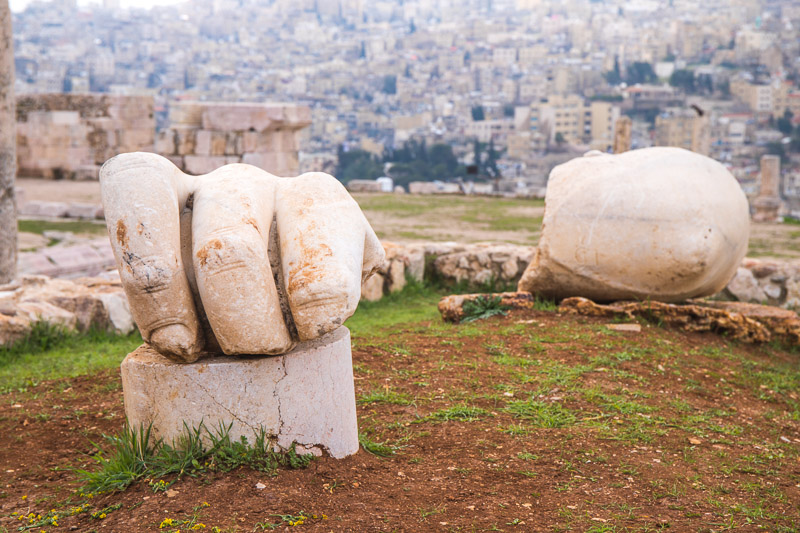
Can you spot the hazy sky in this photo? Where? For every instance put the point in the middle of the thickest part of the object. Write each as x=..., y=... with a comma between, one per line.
x=19, y=5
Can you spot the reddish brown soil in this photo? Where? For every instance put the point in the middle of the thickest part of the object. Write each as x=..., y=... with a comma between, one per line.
x=704, y=437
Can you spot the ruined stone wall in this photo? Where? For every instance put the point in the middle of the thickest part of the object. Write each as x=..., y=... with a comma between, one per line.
x=203, y=136
x=69, y=136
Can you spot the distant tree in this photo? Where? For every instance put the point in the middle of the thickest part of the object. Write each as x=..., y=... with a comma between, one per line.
x=640, y=72
x=683, y=79
x=780, y=150
x=441, y=157
x=704, y=84
x=357, y=164
x=363, y=53
x=613, y=77
x=508, y=110
x=784, y=124
x=478, y=113
x=724, y=88
x=560, y=138
x=412, y=28
x=407, y=72
x=477, y=149
x=390, y=84
x=491, y=160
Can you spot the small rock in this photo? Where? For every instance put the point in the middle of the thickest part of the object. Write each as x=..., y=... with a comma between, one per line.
x=260, y=486
x=695, y=441
x=633, y=328
x=171, y=493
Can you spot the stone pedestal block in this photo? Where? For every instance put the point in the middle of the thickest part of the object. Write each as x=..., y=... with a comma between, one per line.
x=305, y=396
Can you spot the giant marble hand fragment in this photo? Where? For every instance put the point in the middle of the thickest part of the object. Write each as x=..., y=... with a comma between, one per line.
x=236, y=261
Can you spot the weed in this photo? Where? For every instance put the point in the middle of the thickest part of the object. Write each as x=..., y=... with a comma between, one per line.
x=464, y=413
x=387, y=396
x=381, y=449
x=541, y=414
x=483, y=307
x=135, y=455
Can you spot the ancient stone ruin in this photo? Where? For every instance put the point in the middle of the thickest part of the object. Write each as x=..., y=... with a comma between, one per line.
x=768, y=203
x=658, y=223
x=203, y=136
x=240, y=262
x=70, y=135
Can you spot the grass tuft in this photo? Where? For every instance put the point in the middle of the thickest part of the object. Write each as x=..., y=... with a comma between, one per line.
x=541, y=414
x=483, y=307
x=135, y=455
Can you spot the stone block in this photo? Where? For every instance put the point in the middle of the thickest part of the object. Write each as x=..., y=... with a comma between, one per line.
x=185, y=140
x=39, y=208
x=176, y=160
x=186, y=113
x=305, y=397
x=272, y=162
x=202, y=143
x=243, y=117
x=363, y=186
x=372, y=288
x=136, y=139
x=210, y=142
x=86, y=173
x=77, y=260
x=85, y=211
x=36, y=263
x=165, y=142
x=202, y=164
x=744, y=287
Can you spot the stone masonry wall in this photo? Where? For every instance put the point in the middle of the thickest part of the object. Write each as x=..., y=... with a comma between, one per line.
x=203, y=136
x=84, y=302
x=70, y=136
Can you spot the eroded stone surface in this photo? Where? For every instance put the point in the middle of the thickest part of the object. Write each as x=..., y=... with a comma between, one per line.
x=193, y=254
x=80, y=304
x=744, y=322
x=305, y=396
x=659, y=223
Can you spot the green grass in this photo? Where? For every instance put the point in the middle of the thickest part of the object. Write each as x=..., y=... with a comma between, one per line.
x=136, y=455
x=415, y=303
x=51, y=353
x=463, y=413
x=483, y=307
x=381, y=449
x=75, y=226
x=541, y=414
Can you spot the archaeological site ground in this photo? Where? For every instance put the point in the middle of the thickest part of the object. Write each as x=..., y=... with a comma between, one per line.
x=536, y=420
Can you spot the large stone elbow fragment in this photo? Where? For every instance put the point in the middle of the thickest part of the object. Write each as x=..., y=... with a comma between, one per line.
x=658, y=223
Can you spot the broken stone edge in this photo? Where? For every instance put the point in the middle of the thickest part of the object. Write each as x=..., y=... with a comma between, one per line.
x=304, y=397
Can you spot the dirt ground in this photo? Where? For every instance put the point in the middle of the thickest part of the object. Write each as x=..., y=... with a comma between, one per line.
x=529, y=422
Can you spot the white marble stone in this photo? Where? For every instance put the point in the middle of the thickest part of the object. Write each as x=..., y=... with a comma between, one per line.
x=660, y=223
x=304, y=397
x=193, y=255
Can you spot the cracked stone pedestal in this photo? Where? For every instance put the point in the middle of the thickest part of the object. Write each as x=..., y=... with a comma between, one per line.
x=305, y=396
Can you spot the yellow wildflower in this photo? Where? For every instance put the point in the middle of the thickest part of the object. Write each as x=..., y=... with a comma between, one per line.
x=166, y=523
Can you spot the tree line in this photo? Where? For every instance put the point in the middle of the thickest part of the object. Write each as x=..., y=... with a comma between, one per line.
x=414, y=160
